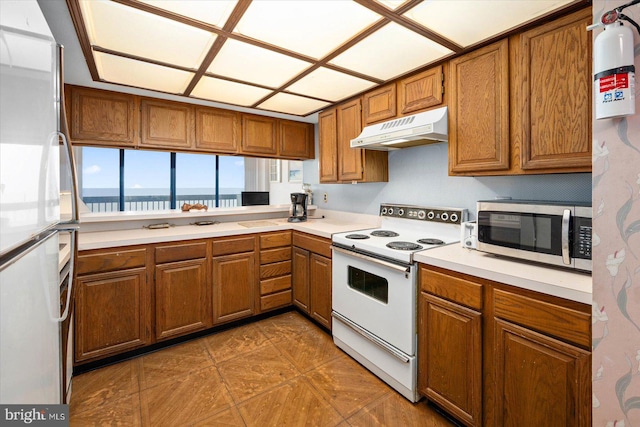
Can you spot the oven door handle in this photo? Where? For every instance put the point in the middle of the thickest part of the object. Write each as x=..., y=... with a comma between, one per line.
x=566, y=221
x=387, y=264
x=369, y=336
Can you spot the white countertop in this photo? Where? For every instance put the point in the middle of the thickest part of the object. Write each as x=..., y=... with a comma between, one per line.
x=559, y=282
x=320, y=227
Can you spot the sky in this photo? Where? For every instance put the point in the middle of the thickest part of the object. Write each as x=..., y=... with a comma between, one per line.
x=151, y=169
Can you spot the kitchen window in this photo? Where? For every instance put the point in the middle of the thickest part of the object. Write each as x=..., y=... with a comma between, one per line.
x=137, y=180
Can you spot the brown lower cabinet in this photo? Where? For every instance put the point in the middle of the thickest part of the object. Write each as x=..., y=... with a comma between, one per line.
x=182, y=291
x=311, y=281
x=496, y=355
x=131, y=297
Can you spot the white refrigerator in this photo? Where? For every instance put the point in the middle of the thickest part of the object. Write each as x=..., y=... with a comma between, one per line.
x=31, y=110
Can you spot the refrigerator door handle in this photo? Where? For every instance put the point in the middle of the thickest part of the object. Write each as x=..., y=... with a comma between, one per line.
x=71, y=162
x=72, y=261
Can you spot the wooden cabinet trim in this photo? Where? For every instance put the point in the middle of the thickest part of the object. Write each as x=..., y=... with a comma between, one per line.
x=233, y=245
x=180, y=252
x=119, y=259
x=166, y=124
x=379, y=104
x=217, y=130
x=319, y=245
x=277, y=300
x=275, y=240
x=552, y=319
x=461, y=291
x=421, y=91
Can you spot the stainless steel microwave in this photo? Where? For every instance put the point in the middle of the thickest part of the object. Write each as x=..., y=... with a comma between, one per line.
x=553, y=233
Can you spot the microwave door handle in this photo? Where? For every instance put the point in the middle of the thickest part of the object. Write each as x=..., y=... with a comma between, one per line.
x=566, y=220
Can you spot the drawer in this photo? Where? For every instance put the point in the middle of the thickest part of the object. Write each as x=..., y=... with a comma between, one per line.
x=318, y=245
x=276, y=284
x=171, y=253
x=275, y=269
x=281, y=299
x=233, y=245
x=545, y=317
x=275, y=255
x=455, y=289
x=275, y=240
x=100, y=262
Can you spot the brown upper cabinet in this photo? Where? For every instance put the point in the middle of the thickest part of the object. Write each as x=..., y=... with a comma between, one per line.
x=379, y=104
x=218, y=130
x=407, y=96
x=328, y=145
x=421, y=91
x=523, y=105
x=166, y=124
x=117, y=120
x=353, y=164
x=100, y=117
x=296, y=140
x=479, y=110
x=259, y=135
x=553, y=79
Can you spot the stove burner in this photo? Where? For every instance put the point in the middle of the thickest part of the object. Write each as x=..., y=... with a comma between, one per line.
x=384, y=233
x=404, y=246
x=430, y=241
x=357, y=236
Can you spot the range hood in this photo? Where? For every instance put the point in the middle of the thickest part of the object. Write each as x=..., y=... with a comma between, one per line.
x=419, y=129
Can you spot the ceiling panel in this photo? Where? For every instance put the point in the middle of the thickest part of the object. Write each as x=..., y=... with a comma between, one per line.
x=467, y=22
x=389, y=52
x=124, y=29
x=230, y=92
x=141, y=74
x=212, y=12
x=242, y=61
x=313, y=27
x=293, y=104
x=329, y=84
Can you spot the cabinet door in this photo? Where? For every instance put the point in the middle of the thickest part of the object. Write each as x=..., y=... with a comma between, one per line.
x=166, y=124
x=259, y=135
x=540, y=380
x=379, y=104
x=320, y=289
x=350, y=166
x=420, y=91
x=182, y=298
x=555, y=75
x=300, y=278
x=450, y=357
x=103, y=118
x=479, y=142
x=296, y=140
x=328, y=145
x=234, y=285
x=217, y=130
x=112, y=313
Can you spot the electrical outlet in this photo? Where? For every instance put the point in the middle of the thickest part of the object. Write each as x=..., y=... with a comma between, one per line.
x=325, y=197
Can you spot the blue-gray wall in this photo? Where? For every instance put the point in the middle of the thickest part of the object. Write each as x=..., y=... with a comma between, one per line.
x=419, y=175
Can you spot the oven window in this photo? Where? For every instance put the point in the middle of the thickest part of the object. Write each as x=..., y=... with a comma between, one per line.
x=369, y=284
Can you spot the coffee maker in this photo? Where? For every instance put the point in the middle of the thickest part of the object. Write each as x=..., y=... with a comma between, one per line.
x=298, y=207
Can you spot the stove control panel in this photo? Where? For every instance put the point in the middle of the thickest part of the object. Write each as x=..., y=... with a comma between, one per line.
x=444, y=215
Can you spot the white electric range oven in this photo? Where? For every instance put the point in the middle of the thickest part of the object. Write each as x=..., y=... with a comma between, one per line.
x=374, y=296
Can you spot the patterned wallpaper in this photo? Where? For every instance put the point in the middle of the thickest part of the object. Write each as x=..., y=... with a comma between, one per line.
x=616, y=259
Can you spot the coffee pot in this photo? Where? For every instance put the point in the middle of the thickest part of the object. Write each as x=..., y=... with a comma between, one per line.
x=298, y=207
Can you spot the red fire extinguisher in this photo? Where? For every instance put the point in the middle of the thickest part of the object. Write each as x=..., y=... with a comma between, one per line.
x=614, y=70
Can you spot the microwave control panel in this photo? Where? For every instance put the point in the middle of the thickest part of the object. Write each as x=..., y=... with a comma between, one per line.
x=582, y=237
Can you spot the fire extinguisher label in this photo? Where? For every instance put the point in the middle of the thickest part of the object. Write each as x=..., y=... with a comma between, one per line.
x=614, y=81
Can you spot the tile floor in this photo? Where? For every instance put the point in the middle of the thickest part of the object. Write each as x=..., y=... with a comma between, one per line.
x=281, y=371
